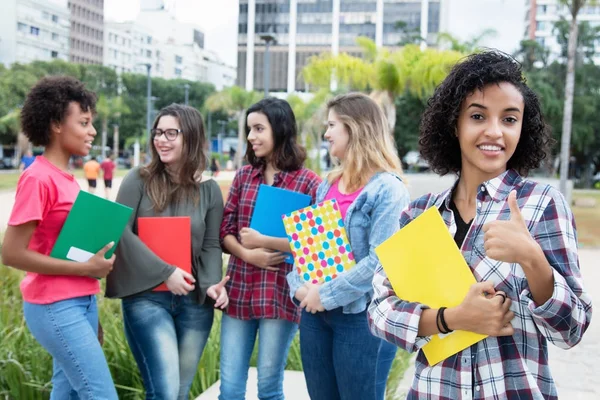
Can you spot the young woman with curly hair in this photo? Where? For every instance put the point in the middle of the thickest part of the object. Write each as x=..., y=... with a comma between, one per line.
x=518, y=237
x=59, y=299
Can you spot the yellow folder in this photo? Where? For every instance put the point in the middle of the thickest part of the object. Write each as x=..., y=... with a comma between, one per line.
x=424, y=265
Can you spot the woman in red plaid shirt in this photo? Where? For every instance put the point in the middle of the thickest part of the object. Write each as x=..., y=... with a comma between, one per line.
x=259, y=300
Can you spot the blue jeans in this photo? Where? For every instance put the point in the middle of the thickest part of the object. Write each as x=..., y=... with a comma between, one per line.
x=340, y=357
x=167, y=334
x=237, y=342
x=68, y=330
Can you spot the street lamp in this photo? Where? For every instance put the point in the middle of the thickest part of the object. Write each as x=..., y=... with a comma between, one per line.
x=148, y=105
x=187, y=88
x=268, y=39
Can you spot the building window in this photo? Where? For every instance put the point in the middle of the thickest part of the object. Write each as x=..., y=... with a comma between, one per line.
x=148, y=53
x=34, y=31
x=178, y=59
x=149, y=39
x=54, y=54
x=55, y=18
x=54, y=36
x=21, y=27
x=178, y=72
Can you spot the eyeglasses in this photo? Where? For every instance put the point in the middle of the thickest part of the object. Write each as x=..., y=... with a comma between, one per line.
x=170, y=134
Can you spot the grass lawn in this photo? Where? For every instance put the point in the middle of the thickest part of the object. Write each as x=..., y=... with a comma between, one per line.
x=588, y=220
x=8, y=181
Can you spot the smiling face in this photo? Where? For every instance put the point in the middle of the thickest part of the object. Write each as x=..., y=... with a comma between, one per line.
x=260, y=135
x=488, y=129
x=337, y=135
x=169, y=151
x=75, y=134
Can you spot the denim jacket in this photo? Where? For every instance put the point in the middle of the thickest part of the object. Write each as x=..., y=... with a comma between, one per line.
x=371, y=219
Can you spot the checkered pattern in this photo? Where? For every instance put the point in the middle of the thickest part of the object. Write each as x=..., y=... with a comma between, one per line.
x=255, y=292
x=497, y=367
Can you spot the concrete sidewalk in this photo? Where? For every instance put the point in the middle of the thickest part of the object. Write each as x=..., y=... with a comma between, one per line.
x=294, y=387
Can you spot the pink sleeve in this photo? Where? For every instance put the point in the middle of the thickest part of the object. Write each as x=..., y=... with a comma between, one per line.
x=31, y=201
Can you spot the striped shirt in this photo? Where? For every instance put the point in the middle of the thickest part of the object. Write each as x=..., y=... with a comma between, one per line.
x=508, y=367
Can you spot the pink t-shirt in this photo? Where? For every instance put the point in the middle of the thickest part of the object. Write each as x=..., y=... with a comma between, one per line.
x=46, y=194
x=343, y=200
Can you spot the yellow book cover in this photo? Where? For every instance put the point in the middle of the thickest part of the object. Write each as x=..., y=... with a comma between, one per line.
x=424, y=265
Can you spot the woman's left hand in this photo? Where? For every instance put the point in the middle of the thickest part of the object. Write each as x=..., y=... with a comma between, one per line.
x=250, y=238
x=509, y=241
x=312, y=300
x=219, y=294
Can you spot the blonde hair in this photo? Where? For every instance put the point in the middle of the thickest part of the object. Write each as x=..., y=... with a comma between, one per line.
x=371, y=148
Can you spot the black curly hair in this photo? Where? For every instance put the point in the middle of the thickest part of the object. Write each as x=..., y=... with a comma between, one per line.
x=438, y=143
x=48, y=102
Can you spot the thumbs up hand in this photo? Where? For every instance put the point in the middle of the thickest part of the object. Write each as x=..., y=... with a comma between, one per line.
x=509, y=241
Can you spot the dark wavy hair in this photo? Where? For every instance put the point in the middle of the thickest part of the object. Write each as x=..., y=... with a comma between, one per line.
x=438, y=142
x=48, y=103
x=288, y=155
x=160, y=185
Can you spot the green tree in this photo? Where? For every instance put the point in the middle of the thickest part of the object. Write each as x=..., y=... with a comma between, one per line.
x=110, y=109
x=384, y=73
x=235, y=101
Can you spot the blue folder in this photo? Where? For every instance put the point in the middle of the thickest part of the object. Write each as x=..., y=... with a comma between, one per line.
x=271, y=204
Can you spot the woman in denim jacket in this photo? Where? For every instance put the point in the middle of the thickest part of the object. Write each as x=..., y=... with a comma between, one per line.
x=341, y=359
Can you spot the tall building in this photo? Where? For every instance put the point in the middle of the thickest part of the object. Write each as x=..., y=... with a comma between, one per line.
x=304, y=28
x=87, y=31
x=178, y=53
x=541, y=16
x=33, y=30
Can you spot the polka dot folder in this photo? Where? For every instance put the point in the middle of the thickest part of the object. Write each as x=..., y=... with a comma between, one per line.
x=319, y=242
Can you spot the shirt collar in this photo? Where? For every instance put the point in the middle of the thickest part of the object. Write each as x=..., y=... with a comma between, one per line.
x=498, y=188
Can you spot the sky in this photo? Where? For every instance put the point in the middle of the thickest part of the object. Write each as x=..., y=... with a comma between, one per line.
x=219, y=25
x=466, y=19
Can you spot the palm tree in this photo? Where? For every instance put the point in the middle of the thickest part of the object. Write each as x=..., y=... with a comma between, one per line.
x=383, y=73
x=235, y=101
x=311, y=117
x=469, y=46
x=574, y=7
x=110, y=108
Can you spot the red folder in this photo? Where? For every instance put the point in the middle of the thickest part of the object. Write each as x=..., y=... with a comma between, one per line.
x=170, y=238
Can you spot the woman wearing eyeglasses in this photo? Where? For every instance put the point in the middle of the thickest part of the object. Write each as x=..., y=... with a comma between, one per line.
x=167, y=330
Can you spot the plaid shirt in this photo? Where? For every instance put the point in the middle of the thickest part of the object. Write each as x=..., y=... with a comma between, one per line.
x=506, y=367
x=255, y=292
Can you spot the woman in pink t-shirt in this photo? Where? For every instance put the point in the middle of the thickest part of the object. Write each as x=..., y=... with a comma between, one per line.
x=59, y=301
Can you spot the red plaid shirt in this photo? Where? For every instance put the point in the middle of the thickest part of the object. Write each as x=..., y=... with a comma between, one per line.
x=254, y=292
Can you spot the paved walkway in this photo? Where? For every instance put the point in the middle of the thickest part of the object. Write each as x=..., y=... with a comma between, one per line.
x=575, y=371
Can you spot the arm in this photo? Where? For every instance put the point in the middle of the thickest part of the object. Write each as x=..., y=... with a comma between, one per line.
x=135, y=262
x=353, y=284
x=397, y=321
x=566, y=315
x=31, y=205
x=258, y=257
x=211, y=256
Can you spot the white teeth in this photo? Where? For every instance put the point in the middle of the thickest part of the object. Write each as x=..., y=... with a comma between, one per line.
x=488, y=147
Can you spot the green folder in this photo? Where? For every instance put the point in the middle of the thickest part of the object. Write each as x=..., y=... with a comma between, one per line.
x=92, y=223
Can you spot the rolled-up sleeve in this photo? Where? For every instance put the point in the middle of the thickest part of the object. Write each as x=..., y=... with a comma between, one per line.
x=564, y=318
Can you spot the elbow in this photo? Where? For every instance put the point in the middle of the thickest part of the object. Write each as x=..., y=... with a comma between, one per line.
x=8, y=258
